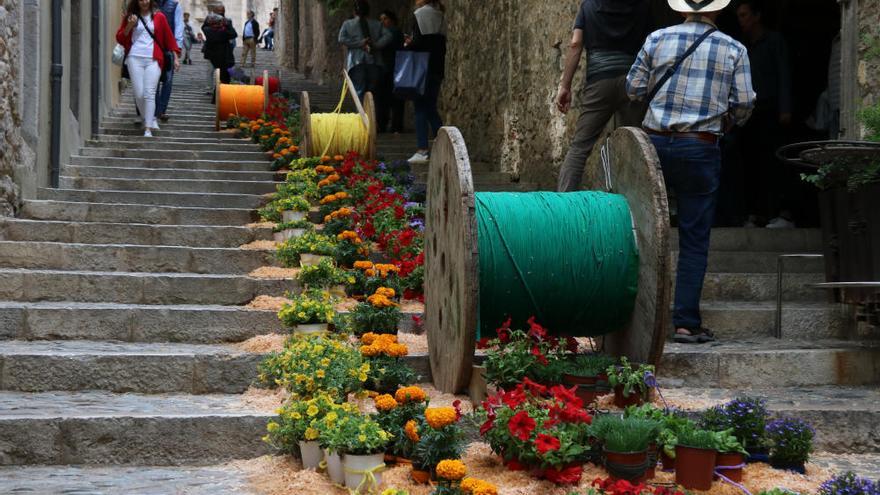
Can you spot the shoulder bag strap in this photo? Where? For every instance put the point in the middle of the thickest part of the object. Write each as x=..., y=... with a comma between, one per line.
x=672, y=70
x=151, y=33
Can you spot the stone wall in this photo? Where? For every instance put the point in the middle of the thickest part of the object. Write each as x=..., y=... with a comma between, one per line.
x=11, y=142
x=869, y=52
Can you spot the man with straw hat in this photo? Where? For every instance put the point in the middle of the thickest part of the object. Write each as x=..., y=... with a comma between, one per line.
x=698, y=84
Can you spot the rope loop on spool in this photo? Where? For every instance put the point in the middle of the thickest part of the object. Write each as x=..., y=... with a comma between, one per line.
x=338, y=133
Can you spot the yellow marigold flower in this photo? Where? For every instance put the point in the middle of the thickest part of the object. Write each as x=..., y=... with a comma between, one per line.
x=440, y=417
x=485, y=488
x=311, y=434
x=385, y=403
x=273, y=426
x=320, y=374
x=363, y=265
x=410, y=394
x=386, y=291
x=242, y=126
x=411, y=430
x=452, y=470
x=312, y=410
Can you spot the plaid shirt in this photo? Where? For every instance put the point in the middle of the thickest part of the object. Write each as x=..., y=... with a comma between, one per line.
x=711, y=88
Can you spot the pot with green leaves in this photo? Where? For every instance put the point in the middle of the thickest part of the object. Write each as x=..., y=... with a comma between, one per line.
x=731, y=456
x=364, y=448
x=695, y=457
x=326, y=276
x=791, y=443
x=308, y=313
x=671, y=422
x=291, y=230
x=293, y=208
x=628, y=381
x=307, y=250
x=587, y=373
x=625, y=443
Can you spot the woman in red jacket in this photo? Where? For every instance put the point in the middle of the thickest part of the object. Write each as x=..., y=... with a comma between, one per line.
x=145, y=54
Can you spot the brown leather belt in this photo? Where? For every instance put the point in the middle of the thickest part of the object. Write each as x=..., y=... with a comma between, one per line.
x=702, y=136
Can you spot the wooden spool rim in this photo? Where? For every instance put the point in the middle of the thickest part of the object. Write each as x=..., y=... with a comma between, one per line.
x=368, y=113
x=452, y=258
x=305, y=124
x=217, y=86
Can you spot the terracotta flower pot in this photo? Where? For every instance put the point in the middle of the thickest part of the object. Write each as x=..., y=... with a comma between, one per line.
x=730, y=459
x=572, y=380
x=652, y=461
x=668, y=462
x=420, y=476
x=624, y=401
x=627, y=461
x=587, y=393
x=390, y=459
x=694, y=468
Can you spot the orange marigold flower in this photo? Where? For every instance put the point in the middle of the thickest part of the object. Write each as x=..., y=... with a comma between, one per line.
x=385, y=403
x=397, y=350
x=410, y=394
x=348, y=235
x=363, y=265
x=276, y=156
x=380, y=301
x=478, y=487
x=370, y=273
x=325, y=159
x=411, y=430
x=338, y=158
x=386, y=291
x=284, y=152
x=451, y=469
x=368, y=338
x=294, y=148
x=370, y=351
x=440, y=417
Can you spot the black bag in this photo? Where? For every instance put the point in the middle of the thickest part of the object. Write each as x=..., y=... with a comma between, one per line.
x=168, y=55
x=366, y=77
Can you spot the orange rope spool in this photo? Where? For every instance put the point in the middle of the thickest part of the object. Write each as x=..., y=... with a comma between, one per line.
x=240, y=99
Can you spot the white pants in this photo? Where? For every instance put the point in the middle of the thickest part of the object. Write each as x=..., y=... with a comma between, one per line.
x=145, y=74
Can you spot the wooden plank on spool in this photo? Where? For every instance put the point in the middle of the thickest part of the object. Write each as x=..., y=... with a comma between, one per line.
x=370, y=109
x=217, y=99
x=265, y=91
x=451, y=263
x=633, y=170
x=357, y=101
x=305, y=124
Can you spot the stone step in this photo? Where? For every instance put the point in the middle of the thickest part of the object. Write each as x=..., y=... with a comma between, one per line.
x=131, y=258
x=846, y=419
x=163, y=198
x=177, y=112
x=766, y=240
x=136, y=287
x=158, y=163
x=178, y=155
x=742, y=364
x=220, y=139
x=746, y=320
x=864, y=465
x=167, y=173
x=731, y=287
x=134, y=131
x=163, y=144
x=17, y=229
x=128, y=121
x=148, y=368
x=97, y=428
x=755, y=262
x=173, y=185
x=125, y=480
x=191, y=324
x=134, y=213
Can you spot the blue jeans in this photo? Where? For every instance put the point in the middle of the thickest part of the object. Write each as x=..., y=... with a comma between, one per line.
x=426, y=113
x=692, y=169
x=163, y=94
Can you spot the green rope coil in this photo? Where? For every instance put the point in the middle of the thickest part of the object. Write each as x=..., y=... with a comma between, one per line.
x=569, y=259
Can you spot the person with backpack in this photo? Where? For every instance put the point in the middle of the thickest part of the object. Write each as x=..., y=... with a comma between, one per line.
x=174, y=14
x=219, y=33
x=697, y=82
x=149, y=42
x=365, y=38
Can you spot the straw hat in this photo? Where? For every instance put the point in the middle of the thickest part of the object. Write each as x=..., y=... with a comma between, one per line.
x=698, y=6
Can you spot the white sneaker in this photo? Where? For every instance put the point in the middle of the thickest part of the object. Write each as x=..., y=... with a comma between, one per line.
x=780, y=223
x=419, y=157
x=148, y=133
x=155, y=126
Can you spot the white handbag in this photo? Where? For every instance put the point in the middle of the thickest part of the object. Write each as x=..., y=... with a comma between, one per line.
x=118, y=54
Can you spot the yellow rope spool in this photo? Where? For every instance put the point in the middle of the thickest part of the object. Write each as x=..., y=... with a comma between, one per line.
x=337, y=133
x=241, y=100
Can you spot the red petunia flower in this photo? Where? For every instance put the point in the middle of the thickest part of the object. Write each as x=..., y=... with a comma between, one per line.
x=571, y=345
x=515, y=465
x=538, y=354
x=546, y=443
x=483, y=343
x=521, y=426
x=536, y=389
x=514, y=398
x=566, y=395
x=566, y=476
x=536, y=331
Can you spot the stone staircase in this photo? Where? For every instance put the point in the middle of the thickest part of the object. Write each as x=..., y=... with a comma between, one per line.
x=120, y=293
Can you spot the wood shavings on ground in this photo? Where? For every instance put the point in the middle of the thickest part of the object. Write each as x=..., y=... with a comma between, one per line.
x=261, y=225
x=606, y=402
x=407, y=306
x=263, y=344
x=263, y=399
x=417, y=344
x=274, y=273
x=441, y=399
x=268, y=303
x=346, y=305
x=259, y=246
x=284, y=475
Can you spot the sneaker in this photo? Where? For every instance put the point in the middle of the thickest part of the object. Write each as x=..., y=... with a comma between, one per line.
x=419, y=157
x=164, y=117
x=780, y=223
x=148, y=133
x=155, y=126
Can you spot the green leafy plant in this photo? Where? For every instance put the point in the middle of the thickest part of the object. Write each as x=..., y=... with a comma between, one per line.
x=630, y=377
x=588, y=365
x=517, y=354
x=350, y=248
x=852, y=174
x=293, y=203
x=698, y=439
x=309, y=365
x=439, y=438
x=357, y=435
x=299, y=224
x=727, y=443
x=302, y=420
x=323, y=275
x=379, y=314
x=627, y=434
x=308, y=308
x=311, y=242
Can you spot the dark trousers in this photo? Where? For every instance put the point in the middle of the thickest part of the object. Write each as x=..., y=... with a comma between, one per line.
x=389, y=107
x=163, y=94
x=692, y=169
x=225, y=78
x=427, y=114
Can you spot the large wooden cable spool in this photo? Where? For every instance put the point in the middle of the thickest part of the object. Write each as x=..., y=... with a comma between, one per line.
x=366, y=109
x=452, y=284
x=220, y=99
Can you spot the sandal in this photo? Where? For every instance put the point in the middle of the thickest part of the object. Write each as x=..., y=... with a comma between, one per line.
x=696, y=336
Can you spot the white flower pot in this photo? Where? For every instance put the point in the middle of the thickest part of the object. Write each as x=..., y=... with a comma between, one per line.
x=310, y=329
x=357, y=468
x=308, y=259
x=294, y=233
x=311, y=454
x=334, y=467
x=293, y=216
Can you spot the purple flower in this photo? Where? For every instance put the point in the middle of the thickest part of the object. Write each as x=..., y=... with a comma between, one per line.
x=849, y=484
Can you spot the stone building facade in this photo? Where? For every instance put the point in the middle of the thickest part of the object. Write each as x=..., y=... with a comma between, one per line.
x=13, y=149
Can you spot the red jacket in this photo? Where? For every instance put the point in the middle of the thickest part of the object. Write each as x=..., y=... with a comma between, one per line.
x=161, y=30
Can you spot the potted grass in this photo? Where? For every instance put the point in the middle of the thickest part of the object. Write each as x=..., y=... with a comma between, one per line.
x=587, y=372
x=308, y=313
x=625, y=443
x=290, y=230
x=731, y=456
x=791, y=443
x=293, y=208
x=628, y=381
x=308, y=249
x=695, y=457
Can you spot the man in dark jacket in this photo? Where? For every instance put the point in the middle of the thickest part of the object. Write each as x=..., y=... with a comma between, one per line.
x=611, y=31
x=219, y=32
